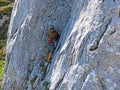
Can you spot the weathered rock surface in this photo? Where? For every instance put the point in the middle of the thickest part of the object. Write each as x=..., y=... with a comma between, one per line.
x=3, y=20
x=88, y=53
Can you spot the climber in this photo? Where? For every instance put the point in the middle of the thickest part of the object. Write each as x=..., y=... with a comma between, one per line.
x=53, y=38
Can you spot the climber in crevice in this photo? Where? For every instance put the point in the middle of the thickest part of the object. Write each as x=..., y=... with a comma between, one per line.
x=53, y=38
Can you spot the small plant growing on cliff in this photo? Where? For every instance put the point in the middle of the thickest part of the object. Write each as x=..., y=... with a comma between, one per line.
x=33, y=80
x=46, y=85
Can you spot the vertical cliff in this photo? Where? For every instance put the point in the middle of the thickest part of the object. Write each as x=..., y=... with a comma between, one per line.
x=88, y=53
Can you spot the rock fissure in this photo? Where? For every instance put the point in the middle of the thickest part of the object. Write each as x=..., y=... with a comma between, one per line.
x=95, y=44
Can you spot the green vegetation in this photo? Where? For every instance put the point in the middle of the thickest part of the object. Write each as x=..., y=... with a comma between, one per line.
x=5, y=9
x=2, y=59
x=33, y=80
x=46, y=85
x=2, y=62
x=6, y=6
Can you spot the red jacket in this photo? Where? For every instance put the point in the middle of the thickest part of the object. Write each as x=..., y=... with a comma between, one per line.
x=50, y=40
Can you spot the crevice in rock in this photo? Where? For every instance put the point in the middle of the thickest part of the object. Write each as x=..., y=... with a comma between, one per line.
x=106, y=27
x=96, y=42
x=94, y=45
x=85, y=75
x=112, y=32
x=59, y=82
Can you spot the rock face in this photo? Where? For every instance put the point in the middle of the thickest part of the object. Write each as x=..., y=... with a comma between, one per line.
x=88, y=53
x=4, y=23
x=3, y=20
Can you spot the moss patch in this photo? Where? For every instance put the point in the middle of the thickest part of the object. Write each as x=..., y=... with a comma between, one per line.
x=33, y=80
x=2, y=62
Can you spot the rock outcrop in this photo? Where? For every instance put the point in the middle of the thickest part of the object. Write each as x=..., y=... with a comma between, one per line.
x=3, y=20
x=4, y=23
x=88, y=53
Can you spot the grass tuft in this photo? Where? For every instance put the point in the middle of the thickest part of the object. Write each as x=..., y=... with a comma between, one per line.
x=6, y=7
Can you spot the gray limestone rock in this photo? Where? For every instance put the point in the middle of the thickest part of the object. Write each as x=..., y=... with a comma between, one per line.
x=3, y=20
x=87, y=56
